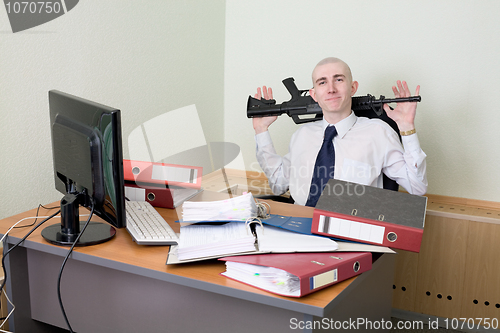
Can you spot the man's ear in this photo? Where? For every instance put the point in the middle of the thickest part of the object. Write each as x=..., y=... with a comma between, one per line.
x=354, y=87
x=312, y=93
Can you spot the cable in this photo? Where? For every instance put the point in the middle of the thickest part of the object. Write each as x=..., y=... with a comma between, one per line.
x=36, y=217
x=26, y=218
x=4, y=319
x=13, y=247
x=62, y=268
x=4, y=237
x=8, y=316
x=20, y=241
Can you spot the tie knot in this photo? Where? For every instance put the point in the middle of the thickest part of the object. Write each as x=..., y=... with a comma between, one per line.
x=330, y=133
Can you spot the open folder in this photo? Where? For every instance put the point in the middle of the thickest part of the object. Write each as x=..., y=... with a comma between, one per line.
x=211, y=241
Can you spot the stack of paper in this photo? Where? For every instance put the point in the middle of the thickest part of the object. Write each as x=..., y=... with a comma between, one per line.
x=296, y=274
x=271, y=279
x=235, y=209
x=204, y=241
x=199, y=241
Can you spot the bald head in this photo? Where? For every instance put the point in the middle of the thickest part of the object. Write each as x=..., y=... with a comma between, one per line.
x=333, y=88
x=332, y=60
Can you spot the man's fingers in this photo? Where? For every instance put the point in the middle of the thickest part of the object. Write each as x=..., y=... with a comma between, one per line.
x=406, y=89
x=396, y=92
x=258, y=95
x=266, y=95
x=402, y=90
x=417, y=91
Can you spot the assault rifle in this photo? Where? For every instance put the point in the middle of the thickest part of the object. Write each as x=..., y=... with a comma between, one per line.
x=302, y=104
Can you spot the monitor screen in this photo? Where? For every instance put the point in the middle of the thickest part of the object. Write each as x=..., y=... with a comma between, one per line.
x=88, y=167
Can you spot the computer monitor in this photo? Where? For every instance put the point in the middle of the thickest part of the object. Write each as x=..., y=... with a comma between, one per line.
x=88, y=168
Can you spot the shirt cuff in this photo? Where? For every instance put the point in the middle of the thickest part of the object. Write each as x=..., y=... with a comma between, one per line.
x=412, y=147
x=411, y=143
x=263, y=139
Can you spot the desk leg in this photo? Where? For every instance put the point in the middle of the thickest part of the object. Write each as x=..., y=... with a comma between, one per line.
x=17, y=288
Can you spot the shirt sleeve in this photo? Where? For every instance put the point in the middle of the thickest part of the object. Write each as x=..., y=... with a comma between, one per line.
x=274, y=166
x=413, y=174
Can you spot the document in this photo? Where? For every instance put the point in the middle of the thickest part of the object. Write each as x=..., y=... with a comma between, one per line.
x=210, y=241
x=239, y=208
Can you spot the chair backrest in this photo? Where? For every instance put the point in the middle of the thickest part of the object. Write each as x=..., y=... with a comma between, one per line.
x=389, y=184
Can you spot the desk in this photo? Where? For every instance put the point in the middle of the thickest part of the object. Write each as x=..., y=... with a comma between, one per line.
x=455, y=275
x=120, y=286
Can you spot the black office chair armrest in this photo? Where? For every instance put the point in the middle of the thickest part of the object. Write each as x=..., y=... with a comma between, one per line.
x=277, y=198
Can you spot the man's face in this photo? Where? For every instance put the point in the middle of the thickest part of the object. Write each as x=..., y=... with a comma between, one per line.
x=333, y=88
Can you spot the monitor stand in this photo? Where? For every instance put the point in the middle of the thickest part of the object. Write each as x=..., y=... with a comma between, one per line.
x=66, y=232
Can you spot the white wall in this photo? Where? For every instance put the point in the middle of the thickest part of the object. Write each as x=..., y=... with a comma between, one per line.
x=450, y=48
x=155, y=56
x=144, y=57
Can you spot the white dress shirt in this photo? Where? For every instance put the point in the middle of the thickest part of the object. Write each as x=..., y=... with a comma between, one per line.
x=364, y=149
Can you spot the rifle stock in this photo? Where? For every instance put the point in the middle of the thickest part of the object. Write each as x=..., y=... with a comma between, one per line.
x=302, y=107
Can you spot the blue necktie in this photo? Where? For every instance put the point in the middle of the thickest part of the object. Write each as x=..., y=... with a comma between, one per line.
x=324, y=167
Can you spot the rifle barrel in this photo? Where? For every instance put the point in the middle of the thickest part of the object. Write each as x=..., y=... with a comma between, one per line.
x=401, y=99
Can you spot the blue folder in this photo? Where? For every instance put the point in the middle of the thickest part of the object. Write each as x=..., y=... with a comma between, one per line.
x=297, y=224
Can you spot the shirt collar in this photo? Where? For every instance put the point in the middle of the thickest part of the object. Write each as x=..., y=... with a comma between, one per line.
x=342, y=126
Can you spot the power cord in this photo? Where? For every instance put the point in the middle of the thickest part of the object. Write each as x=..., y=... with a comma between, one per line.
x=12, y=248
x=36, y=217
x=62, y=268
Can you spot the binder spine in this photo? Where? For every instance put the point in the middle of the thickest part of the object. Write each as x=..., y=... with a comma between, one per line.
x=323, y=279
x=347, y=268
x=366, y=230
x=162, y=174
x=356, y=267
x=157, y=197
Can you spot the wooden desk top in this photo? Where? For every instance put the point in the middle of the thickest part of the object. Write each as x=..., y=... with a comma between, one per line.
x=124, y=254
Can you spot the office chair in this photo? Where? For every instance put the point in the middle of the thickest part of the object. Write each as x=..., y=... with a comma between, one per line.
x=388, y=183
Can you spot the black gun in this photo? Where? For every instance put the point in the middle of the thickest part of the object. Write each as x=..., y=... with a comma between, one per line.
x=302, y=104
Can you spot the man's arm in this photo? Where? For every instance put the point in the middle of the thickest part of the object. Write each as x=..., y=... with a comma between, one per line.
x=415, y=176
x=405, y=162
x=415, y=160
x=275, y=166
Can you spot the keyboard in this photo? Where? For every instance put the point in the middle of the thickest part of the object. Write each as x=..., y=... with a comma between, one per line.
x=147, y=226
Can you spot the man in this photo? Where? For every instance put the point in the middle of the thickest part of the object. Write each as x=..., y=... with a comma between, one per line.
x=363, y=149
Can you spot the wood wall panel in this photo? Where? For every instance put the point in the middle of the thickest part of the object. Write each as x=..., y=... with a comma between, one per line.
x=405, y=280
x=482, y=275
x=441, y=267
